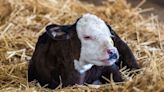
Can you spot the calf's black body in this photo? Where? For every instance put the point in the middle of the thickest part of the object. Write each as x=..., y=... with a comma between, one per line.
x=52, y=61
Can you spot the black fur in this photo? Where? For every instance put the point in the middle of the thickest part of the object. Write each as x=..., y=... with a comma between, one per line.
x=53, y=59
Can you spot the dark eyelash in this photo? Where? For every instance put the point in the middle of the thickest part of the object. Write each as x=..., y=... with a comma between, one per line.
x=87, y=37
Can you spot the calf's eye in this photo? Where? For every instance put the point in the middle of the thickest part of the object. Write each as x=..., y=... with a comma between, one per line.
x=87, y=37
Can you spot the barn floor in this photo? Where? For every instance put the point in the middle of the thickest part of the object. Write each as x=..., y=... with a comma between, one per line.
x=21, y=23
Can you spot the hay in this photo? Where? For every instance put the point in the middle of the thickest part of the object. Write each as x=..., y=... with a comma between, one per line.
x=20, y=28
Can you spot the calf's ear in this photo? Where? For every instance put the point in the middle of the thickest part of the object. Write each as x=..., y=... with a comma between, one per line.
x=61, y=32
x=55, y=31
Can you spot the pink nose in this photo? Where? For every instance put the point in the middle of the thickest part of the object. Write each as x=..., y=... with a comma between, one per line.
x=112, y=54
x=109, y=51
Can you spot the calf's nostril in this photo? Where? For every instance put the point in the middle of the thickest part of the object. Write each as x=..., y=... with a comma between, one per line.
x=109, y=52
x=113, y=56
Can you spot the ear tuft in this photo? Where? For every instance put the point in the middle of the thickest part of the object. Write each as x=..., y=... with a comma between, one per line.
x=50, y=27
x=54, y=30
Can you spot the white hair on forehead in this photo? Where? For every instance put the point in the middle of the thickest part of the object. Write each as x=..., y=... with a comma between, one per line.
x=88, y=18
x=91, y=22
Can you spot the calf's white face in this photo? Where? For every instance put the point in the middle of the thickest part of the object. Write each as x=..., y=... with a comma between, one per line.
x=96, y=43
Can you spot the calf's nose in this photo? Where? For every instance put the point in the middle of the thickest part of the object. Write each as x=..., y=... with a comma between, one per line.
x=112, y=54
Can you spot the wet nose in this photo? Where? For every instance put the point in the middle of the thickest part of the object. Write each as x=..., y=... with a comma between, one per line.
x=112, y=54
x=109, y=51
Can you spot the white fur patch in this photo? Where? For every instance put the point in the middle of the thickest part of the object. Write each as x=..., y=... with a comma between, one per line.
x=94, y=49
x=81, y=67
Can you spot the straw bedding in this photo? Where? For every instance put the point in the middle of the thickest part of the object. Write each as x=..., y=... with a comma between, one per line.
x=22, y=21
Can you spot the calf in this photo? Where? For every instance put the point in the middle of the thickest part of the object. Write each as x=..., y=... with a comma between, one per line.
x=79, y=53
